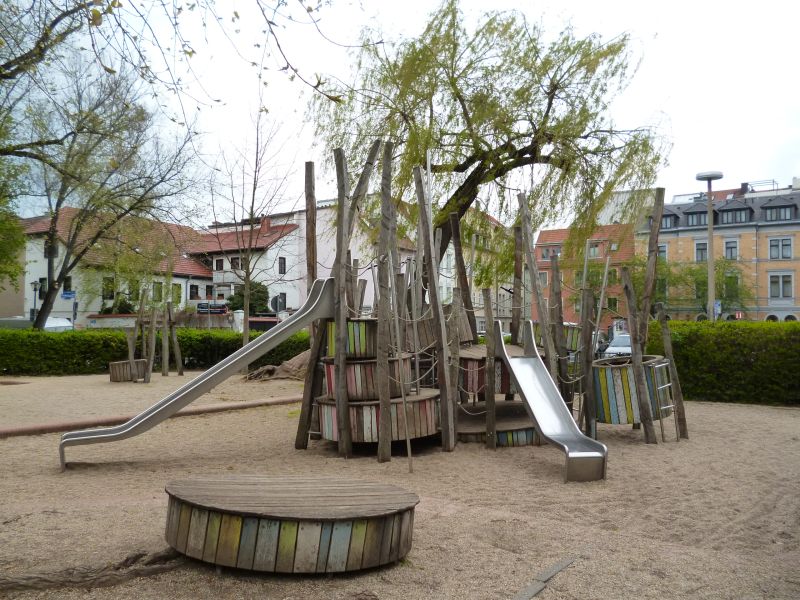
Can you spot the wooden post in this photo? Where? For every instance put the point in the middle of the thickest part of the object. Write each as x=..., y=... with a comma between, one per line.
x=518, y=303
x=587, y=358
x=399, y=356
x=340, y=307
x=311, y=233
x=349, y=284
x=488, y=377
x=151, y=345
x=544, y=318
x=165, y=345
x=415, y=316
x=176, y=347
x=382, y=366
x=650, y=273
x=461, y=274
x=446, y=409
x=677, y=392
x=642, y=394
x=454, y=342
x=559, y=340
x=130, y=336
x=312, y=387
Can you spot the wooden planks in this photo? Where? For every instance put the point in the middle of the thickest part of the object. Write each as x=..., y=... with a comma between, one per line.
x=615, y=390
x=292, y=545
x=362, y=378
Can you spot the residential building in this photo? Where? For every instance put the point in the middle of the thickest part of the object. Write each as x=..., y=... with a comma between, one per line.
x=614, y=241
x=757, y=227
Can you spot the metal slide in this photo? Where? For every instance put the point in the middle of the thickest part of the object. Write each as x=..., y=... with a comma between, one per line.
x=585, y=457
x=319, y=305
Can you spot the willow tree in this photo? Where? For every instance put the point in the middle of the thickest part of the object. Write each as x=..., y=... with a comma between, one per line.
x=496, y=103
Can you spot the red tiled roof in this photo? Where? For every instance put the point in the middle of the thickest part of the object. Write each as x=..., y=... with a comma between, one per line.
x=226, y=241
x=622, y=234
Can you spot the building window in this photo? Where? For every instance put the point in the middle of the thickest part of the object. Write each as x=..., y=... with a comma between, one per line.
x=67, y=284
x=194, y=292
x=700, y=251
x=779, y=213
x=176, y=294
x=696, y=219
x=219, y=264
x=612, y=304
x=543, y=278
x=594, y=250
x=108, y=288
x=133, y=290
x=662, y=251
x=282, y=300
x=614, y=246
x=545, y=253
x=735, y=216
x=209, y=292
x=780, y=248
x=235, y=263
x=780, y=286
x=42, y=287
x=281, y=265
x=612, y=276
x=731, y=249
x=667, y=221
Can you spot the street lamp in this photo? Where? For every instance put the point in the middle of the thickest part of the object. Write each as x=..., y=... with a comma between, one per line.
x=35, y=286
x=709, y=176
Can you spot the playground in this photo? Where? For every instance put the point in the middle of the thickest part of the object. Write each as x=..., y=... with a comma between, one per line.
x=715, y=516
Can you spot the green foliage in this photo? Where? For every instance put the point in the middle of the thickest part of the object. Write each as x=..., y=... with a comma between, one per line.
x=30, y=352
x=734, y=361
x=491, y=103
x=259, y=298
x=12, y=238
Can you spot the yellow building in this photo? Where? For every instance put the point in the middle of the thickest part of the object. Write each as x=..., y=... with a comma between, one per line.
x=759, y=231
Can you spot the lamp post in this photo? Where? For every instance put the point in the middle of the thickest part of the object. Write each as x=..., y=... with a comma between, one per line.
x=709, y=176
x=35, y=287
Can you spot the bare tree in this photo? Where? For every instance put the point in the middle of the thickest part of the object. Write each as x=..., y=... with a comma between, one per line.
x=245, y=189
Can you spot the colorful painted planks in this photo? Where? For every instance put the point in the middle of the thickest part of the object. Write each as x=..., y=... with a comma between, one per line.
x=572, y=335
x=505, y=439
x=361, y=338
x=615, y=389
x=361, y=378
x=473, y=375
x=422, y=412
x=288, y=546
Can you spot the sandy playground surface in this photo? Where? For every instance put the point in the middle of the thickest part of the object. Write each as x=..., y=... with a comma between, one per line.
x=717, y=516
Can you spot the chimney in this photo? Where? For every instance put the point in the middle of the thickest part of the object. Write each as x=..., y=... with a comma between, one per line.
x=744, y=188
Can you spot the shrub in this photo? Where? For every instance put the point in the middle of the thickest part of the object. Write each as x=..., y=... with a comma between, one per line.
x=735, y=361
x=29, y=352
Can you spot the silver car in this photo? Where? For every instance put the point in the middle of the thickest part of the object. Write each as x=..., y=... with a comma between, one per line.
x=619, y=346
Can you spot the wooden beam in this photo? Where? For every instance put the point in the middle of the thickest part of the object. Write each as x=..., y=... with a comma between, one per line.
x=382, y=366
x=559, y=340
x=311, y=233
x=312, y=387
x=650, y=272
x=173, y=334
x=165, y=345
x=643, y=396
x=461, y=275
x=518, y=303
x=677, y=392
x=488, y=377
x=587, y=358
x=426, y=229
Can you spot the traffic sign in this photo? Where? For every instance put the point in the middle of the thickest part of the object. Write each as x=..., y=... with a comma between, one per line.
x=68, y=295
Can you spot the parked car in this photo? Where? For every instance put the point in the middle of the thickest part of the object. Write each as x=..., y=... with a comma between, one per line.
x=619, y=346
x=52, y=323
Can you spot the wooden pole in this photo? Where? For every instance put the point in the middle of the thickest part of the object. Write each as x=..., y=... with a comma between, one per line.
x=677, y=392
x=165, y=344
x=488, y=377
x=446, y=408
x=461, y=275
x=600, y=303
x=643, y=397
x=340, y=307
x=454, y=342
x=311, y=233
x=399, y=358
x=559, y=340
x=650, y=273
x=382, y=366
x=151, y=345
x=415, y=316
x=587, y=358
x=176, y=347
x=312, y=387
x=130, y=336
x=544, y=317
x=518, y=302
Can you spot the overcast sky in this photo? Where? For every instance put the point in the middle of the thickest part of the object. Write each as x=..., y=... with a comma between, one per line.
x=716, y=78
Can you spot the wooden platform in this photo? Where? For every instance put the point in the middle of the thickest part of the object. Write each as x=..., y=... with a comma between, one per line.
x=290, y=524
x=513, y=425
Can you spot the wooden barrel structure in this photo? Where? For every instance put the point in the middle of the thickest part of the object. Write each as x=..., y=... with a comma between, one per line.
x=422, y=412
x=615, y=389
x=513, y=425
x=290, y=524
x=472, y=377
x=121, y=370
x=572, y=335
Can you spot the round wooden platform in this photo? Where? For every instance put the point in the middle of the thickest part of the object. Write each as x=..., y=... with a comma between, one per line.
x=290, y=524
x=513, y=425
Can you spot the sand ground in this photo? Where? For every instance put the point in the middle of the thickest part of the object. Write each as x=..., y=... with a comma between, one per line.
x=717, y=516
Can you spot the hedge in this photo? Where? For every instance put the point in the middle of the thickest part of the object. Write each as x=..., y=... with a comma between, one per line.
x=27, y=352
x=735, y=361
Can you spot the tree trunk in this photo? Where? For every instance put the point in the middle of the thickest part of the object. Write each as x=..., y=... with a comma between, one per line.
x=677, y=392
x=461, y=273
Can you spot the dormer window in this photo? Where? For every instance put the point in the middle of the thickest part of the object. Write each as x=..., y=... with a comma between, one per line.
x=668, y=221
x=697, y=219
x=740, y=215
x=778, y=213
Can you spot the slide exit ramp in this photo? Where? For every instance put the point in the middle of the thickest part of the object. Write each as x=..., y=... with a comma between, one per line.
x=319, y=305
x=585, y=458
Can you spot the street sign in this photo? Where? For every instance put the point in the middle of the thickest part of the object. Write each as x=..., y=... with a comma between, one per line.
x=68, y=295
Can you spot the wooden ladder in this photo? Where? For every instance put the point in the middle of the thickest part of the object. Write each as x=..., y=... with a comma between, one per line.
x=664, y=398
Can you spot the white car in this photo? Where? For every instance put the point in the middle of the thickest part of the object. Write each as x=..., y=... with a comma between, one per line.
x=619, y=346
